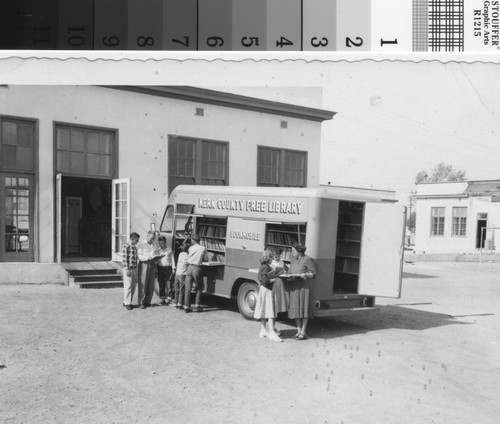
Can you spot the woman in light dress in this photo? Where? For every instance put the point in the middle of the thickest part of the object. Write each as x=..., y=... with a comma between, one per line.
x=265, y=307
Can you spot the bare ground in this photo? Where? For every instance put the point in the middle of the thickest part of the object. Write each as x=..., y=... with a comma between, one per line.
x=77, y=356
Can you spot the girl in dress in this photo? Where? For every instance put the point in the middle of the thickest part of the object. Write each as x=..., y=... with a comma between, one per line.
x=265, y=308
x=302, y=270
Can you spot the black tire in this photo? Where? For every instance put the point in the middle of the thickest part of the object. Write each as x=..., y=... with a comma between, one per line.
x=247, y=298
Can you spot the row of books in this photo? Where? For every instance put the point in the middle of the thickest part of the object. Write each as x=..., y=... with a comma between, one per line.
x=348, y=265
x=282, y=238
x=285, y=255
x=349, y=233
x=212, y=231
x=348, y=249
x=213, y=244
x=215, y=257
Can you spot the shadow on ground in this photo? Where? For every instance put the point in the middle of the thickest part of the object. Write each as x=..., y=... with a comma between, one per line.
x=386, y=317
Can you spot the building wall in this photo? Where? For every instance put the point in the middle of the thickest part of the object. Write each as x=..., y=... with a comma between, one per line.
x=144, y=123
x=425, y=242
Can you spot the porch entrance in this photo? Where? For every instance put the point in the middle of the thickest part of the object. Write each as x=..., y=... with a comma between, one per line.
x=482, y=222
x=85, y=219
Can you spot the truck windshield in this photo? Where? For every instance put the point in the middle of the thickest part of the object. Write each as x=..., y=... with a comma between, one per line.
x=167, y=221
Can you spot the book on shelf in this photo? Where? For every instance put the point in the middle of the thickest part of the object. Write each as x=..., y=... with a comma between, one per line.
x=286, y=254
x=349, y=265
x=283, y=239
x=212, y=231
x=210, y=243
x=220, y=232
x=214, y=257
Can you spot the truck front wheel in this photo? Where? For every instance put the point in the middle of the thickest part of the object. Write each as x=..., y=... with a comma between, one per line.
x=247, y=298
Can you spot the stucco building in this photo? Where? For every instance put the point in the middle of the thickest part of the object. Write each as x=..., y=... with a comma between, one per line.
x=457, y=217
x=82, y=166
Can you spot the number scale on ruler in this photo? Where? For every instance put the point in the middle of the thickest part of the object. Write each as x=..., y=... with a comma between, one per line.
x=252, y=25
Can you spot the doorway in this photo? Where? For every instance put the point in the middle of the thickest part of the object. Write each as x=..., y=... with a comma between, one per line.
x=482, y=221
x=86, y=219
x=73, y=216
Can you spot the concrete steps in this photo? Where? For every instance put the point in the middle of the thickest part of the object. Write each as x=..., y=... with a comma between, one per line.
x=94, y=278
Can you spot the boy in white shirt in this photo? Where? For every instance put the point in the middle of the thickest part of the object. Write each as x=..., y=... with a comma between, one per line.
x=180, y=276
x=165, y=272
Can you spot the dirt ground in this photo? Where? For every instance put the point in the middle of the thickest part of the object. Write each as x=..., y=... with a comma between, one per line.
x=71, y=355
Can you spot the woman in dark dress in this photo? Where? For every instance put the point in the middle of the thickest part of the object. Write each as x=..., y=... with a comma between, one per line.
x=302, y=270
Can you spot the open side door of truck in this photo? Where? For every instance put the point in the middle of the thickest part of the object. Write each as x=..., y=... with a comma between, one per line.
x=382, y=250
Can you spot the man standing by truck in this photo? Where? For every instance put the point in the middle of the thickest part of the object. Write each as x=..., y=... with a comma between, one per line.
x=147, y=251
x=194, y=273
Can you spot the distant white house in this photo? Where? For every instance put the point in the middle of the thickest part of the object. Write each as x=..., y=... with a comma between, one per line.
x=457, y=217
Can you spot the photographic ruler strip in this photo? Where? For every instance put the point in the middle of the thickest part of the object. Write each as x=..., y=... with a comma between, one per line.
x=251, y=25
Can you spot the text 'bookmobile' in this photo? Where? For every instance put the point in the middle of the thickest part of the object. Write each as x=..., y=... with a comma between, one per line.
x=354, y=235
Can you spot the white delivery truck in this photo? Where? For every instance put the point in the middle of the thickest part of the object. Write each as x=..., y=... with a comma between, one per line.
x=355, y=236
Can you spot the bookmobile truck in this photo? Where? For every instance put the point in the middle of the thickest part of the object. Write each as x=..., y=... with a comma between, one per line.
x=355, y=236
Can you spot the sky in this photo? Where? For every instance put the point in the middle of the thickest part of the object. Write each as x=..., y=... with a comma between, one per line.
x=395, y=119
x=394, y=116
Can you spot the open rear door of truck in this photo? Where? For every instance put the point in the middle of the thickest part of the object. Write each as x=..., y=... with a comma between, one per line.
x=382, y=249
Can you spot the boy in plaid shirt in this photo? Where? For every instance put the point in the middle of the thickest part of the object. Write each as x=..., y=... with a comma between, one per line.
x=130, y=275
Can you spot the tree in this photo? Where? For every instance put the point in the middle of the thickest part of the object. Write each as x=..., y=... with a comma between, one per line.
x=440, y=173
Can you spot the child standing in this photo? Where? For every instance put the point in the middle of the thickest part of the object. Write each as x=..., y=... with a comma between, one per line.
x=180, y=276
x=166, y=266
x=265, y=308
x=130, y=274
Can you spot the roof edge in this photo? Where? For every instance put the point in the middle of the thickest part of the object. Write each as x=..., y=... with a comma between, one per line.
x=456, y=182
x=219, y=98
x=332, y=192
x=442, y=196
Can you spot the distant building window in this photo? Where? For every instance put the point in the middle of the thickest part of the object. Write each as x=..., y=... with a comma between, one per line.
x=193, y=161
x=85, y=151
x=437, y=221
x=281, y=168
x=459, y=221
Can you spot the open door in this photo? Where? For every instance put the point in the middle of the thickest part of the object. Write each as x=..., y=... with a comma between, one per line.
x=58, y=218
x=120, y=212
x=382, y=246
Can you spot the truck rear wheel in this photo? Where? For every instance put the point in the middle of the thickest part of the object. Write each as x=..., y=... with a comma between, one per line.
x=247, y=298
